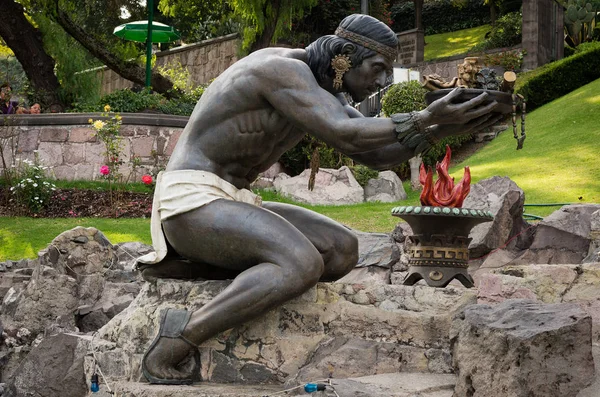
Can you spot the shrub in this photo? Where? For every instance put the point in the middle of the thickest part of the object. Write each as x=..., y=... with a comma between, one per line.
x=363, y=173
x=33, y=189
x=507, y=32
x=509, y=60
x=553, y=80
x=128, y=101
x=404, y=98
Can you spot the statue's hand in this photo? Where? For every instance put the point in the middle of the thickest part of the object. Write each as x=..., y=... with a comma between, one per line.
x=446, y=110
x=441, y=131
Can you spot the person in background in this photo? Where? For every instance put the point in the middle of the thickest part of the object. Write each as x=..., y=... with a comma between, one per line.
x=6, y=105
x=34, y=109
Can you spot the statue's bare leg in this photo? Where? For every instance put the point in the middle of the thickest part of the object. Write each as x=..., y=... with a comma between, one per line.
x=337, y=244
x=276, y=260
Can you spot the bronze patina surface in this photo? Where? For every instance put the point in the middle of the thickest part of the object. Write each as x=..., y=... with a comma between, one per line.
x=439, y=250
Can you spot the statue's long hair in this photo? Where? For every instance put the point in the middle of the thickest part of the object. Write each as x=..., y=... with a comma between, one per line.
x=321, y=52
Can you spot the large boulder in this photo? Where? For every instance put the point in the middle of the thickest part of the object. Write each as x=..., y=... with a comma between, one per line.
x=53, y=368
x=387, y=188
x=332, y=187
x=562, y=237
x=594, y=250
x=76, y=284
x=377, y=253
x=505, y=200
x=578, y=284
x=312, y=337
x=522, y=348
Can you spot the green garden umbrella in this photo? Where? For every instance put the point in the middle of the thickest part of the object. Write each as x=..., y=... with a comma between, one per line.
x=138, y=31
x=141, y=30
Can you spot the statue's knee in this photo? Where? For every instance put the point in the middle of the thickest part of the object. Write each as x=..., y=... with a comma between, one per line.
x=310, y=271
x=348, y=247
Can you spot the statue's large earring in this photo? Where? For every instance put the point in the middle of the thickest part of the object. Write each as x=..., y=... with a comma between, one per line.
x=340, y=64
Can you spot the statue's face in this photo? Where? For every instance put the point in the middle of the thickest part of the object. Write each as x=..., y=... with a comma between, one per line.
x=362, y=81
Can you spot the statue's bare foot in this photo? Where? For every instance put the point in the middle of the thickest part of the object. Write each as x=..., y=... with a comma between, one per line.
x=171, y=361
x=172, y=358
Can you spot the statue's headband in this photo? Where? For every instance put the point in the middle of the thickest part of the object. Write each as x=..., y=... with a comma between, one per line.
x=386, y=51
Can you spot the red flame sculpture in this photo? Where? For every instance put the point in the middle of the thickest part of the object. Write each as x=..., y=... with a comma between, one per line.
x=444, y=193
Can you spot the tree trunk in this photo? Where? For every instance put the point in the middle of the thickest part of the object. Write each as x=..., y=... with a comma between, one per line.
x=264, y=39
x=26, y=42
x=493, y=13
x=126, y=69
x=415, y=165
x=418, y=14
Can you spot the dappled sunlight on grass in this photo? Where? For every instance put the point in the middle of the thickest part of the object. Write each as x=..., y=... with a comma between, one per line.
x=116, y=237
x=594, y=99
x=12, y=242
x=453, y=43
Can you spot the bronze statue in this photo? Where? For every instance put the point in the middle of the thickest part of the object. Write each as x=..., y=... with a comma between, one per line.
x=206, y=223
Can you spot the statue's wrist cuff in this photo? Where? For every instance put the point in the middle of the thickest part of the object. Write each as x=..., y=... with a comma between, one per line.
x=411, y=132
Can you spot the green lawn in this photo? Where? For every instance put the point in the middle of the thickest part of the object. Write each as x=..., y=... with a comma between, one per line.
x=22, y=237
x=559, y=161
x=453, y=43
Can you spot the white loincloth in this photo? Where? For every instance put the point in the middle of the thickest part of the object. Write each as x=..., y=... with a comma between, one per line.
x=181, y=191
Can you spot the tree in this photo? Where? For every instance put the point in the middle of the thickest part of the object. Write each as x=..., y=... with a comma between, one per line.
x=89, y=22
x=26, y=43
x=199, y=20
x=100, y=47
x=265, y=20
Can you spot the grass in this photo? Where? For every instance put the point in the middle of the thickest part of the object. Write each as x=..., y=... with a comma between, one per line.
x=559, y=161
x=22, y=237
x=453, y=43
x=137, y=187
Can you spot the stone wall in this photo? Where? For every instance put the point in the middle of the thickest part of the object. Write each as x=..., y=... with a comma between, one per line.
x=204, y=60
x=67, y=143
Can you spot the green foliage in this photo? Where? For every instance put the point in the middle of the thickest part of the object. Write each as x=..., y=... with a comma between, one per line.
x=440, y=16
x=408, y=97
x=12, y=72
x=506, y=32
x=108, y=132
x=509, y=60
x=326, y=15
x=261, y=16
x=128, y=101
x=297, y=159
x=71, y=59
x=404, y=98
x=579, y=18
x=33, y=190
x=363, y=174
x=558, y=78
x=200, y=20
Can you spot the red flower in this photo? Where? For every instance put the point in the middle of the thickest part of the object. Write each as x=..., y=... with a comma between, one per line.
x=147, y=179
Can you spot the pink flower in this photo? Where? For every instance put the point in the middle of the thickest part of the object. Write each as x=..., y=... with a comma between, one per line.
x=104, y=170
x=147, y=179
